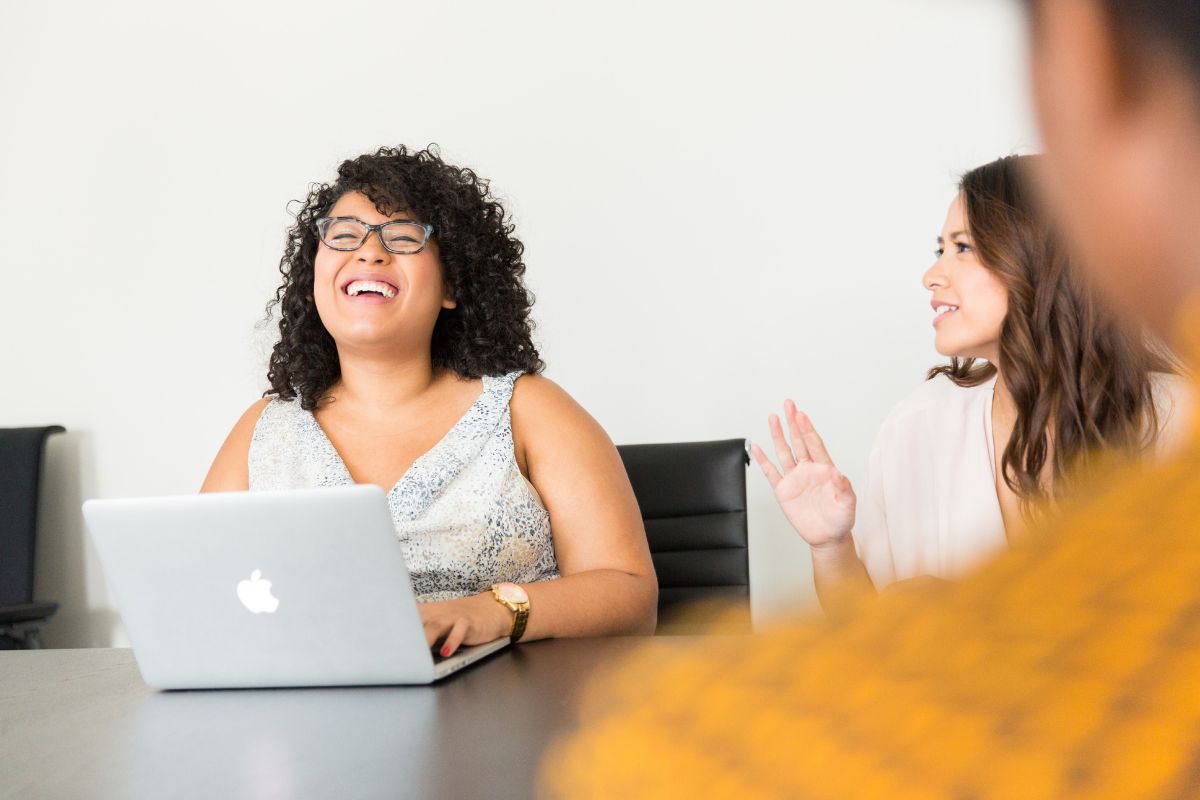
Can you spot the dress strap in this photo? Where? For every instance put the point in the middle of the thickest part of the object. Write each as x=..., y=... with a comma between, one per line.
x=501, y=386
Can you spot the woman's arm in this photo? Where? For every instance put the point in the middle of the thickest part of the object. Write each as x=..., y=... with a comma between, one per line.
x=229, y=472
x=841, y=578
x=608, y=585
x=820, y=504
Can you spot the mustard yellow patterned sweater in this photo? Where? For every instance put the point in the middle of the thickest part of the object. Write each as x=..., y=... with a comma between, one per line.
x=1068, y=668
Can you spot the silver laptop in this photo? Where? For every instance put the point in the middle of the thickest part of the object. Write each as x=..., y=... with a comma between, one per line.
x=266, y=589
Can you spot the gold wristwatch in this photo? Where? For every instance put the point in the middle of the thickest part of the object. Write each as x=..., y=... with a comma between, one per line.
x=515, y=599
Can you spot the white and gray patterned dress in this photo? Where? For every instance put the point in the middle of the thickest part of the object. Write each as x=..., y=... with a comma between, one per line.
x=465, y=515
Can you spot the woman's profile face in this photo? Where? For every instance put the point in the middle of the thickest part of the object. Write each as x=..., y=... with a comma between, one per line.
x=969, y=301
x=372, y=297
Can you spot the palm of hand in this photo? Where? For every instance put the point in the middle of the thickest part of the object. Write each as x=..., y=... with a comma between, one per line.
x=815, y=497
x=814, y=505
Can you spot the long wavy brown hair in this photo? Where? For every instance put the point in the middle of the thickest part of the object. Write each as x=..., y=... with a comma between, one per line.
x=1079, y=376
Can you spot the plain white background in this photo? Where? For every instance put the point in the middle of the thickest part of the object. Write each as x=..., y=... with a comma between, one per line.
x=723, y=205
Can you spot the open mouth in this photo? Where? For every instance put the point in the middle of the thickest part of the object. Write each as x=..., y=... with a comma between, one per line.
x=370, y=289
x=943, y=311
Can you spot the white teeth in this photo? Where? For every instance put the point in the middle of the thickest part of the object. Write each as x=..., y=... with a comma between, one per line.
x=943, y=309
x=355, y=288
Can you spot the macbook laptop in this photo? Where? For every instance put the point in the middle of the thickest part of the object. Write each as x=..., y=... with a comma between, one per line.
x=266, y=589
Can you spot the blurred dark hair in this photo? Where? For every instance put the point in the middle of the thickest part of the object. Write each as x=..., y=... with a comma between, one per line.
x=1080, y=377
x=487, y=333
x=1146, y=28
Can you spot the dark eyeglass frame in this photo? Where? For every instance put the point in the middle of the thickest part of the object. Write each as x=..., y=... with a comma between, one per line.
x=325, y=222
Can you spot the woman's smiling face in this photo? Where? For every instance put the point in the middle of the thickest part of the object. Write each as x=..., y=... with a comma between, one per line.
x=371, y=296
x=969, y=301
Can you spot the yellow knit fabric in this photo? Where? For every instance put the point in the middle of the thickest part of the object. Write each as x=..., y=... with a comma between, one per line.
x=1068, y=668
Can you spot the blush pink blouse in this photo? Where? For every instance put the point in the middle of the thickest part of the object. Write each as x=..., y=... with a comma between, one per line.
x=930, y=506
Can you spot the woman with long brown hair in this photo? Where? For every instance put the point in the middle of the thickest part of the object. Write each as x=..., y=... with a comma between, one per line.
x=1042, y=379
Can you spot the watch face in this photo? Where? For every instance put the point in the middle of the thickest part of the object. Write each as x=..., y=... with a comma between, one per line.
x=512, y=593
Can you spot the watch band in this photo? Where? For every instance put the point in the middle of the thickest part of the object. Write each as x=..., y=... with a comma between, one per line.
x=521, y=615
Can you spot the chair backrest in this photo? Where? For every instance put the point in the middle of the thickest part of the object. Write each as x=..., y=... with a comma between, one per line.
x=693, y=501
x=21, y=452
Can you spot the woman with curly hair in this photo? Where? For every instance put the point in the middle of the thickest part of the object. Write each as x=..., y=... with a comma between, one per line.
x=405, y=360
x=1042, y=377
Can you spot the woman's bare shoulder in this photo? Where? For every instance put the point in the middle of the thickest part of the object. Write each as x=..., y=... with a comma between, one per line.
x=539, y=392
x=539, y=403
x=229, y=471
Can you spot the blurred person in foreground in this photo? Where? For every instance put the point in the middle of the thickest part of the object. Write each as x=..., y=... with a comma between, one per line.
x=1070, y=666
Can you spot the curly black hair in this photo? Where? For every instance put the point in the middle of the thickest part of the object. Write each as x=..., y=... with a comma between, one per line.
x=488, y=332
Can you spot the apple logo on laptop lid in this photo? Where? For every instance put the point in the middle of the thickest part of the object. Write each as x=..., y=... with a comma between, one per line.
x=255, y=594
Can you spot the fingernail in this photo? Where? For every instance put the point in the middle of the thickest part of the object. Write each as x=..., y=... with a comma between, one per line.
x=445, y=651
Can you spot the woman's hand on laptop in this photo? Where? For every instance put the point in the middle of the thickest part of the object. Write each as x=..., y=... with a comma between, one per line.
x=476, y=619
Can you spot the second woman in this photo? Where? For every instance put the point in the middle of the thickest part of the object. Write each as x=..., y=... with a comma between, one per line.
x=1041, y=377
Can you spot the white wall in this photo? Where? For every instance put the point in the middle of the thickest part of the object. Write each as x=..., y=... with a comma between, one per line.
x=778, y=172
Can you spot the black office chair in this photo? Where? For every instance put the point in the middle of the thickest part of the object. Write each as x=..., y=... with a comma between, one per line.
x=21, y=619
x=693, y=501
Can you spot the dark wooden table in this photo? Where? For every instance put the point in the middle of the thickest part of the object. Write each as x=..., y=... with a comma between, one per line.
x=81, y=724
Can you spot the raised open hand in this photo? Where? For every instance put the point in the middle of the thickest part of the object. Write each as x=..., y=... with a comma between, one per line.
x=816, y=499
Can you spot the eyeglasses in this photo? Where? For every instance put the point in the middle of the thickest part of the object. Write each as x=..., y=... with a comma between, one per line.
x=349, y=233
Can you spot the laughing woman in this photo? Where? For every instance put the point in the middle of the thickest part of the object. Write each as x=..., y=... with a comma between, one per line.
x=1040, y=379
x=405, y=360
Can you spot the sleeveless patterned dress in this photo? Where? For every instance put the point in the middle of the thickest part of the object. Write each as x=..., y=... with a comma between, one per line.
x=464, y=514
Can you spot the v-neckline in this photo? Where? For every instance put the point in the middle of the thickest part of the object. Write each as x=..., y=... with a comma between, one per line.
x=341, y=462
